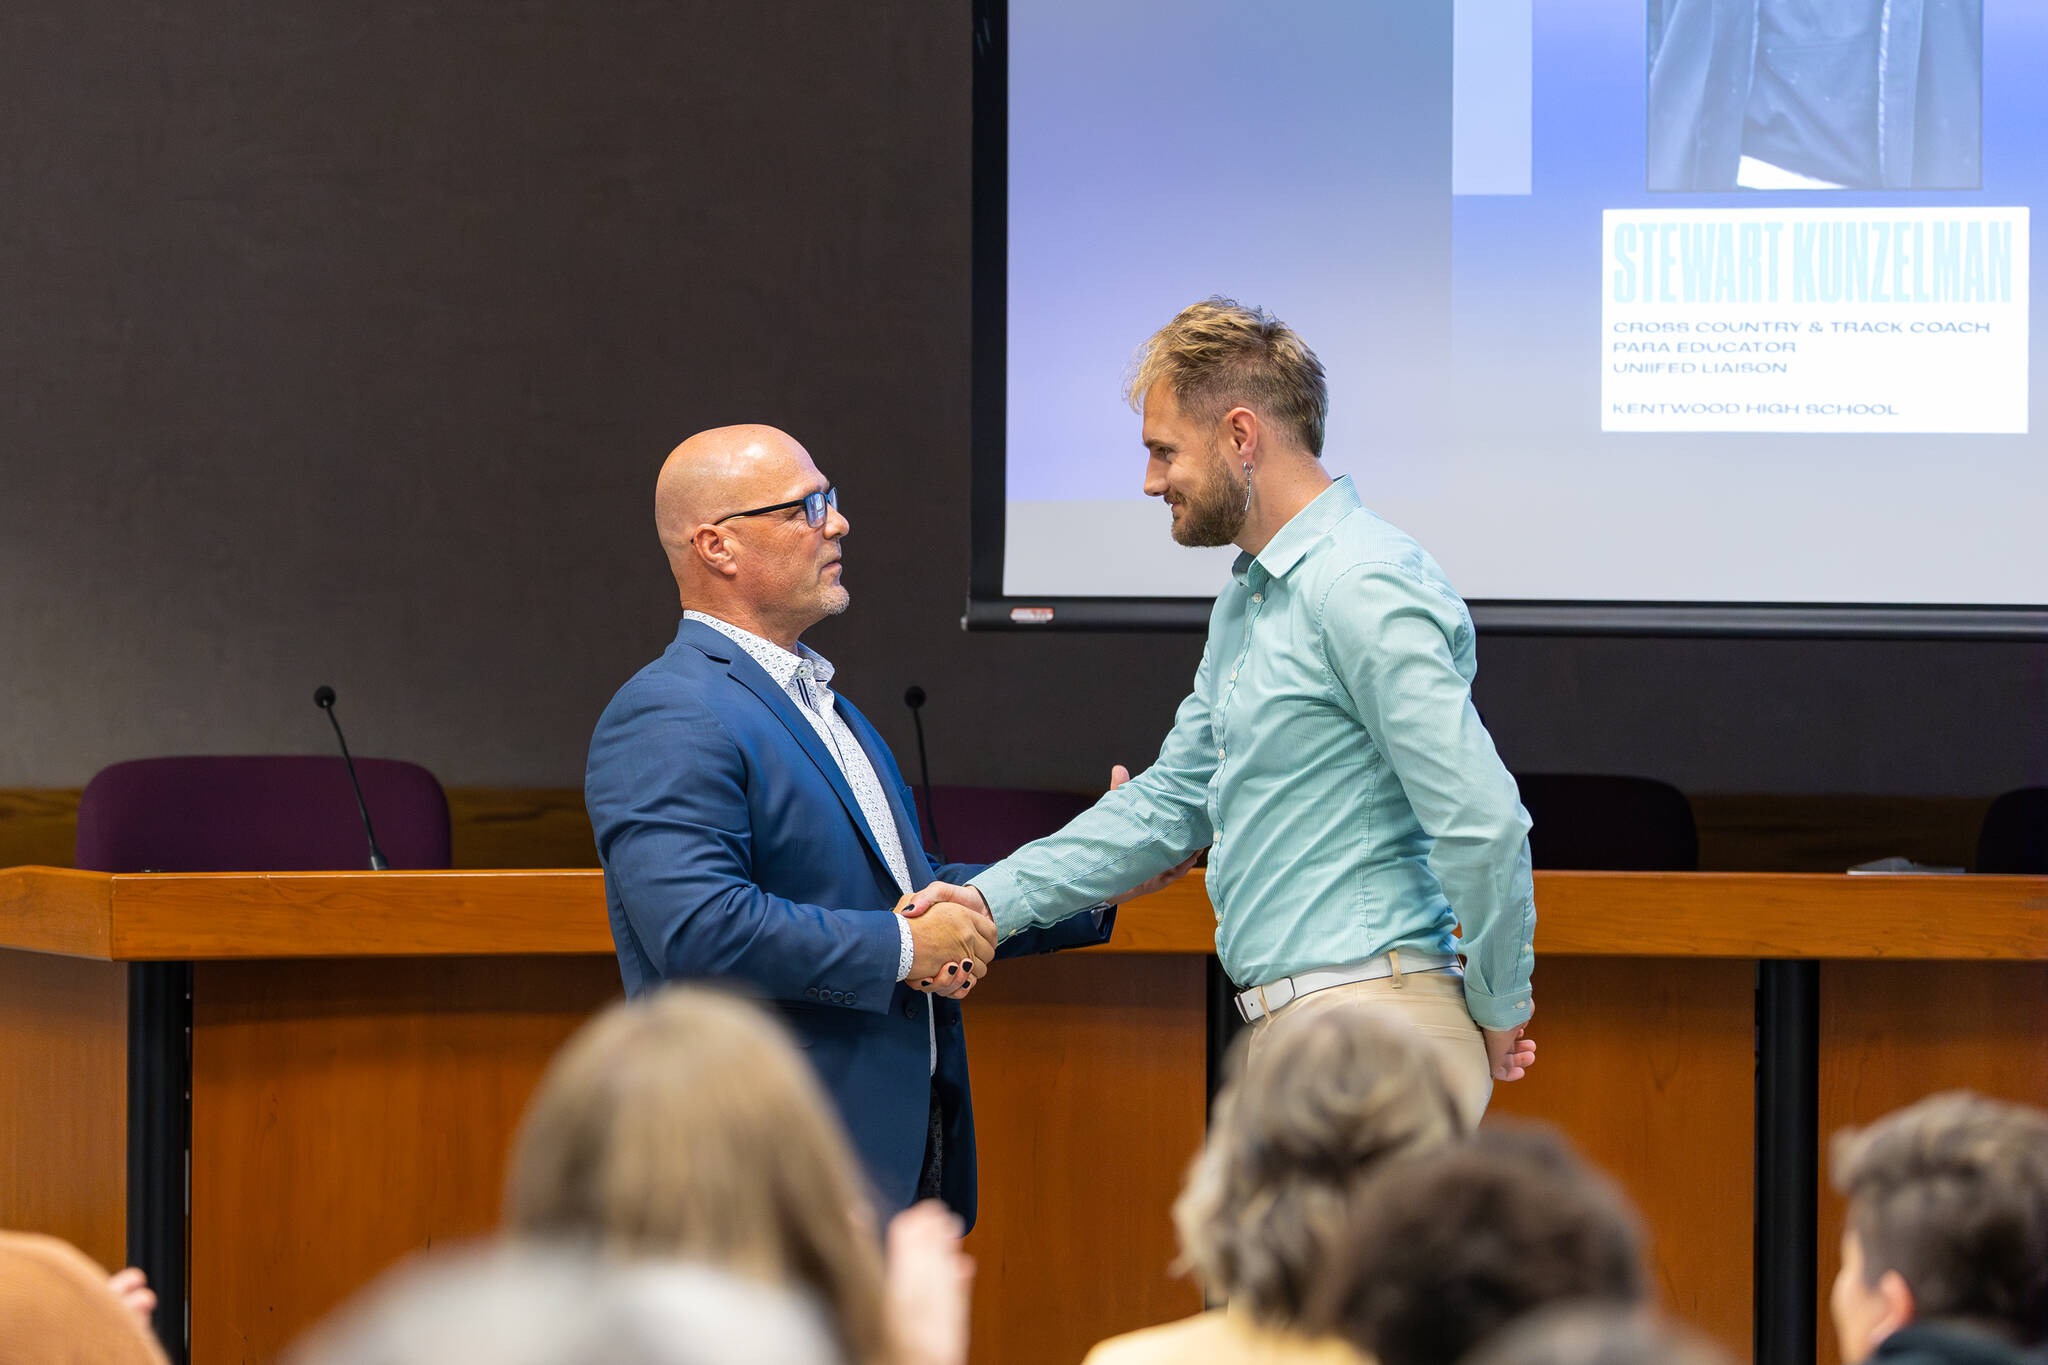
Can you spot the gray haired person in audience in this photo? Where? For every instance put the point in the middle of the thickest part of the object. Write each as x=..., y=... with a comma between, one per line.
x=1337, y=1093
x=684, y=1125
x=1945, y=1241
x=1451, y=1247
x=1599, y=1336
x=538, y=1306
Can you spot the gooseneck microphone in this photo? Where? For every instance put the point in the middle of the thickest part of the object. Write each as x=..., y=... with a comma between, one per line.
x=323, y=697
x=913, y=697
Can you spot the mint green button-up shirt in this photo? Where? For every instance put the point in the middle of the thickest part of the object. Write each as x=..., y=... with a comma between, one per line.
x=1331, y=760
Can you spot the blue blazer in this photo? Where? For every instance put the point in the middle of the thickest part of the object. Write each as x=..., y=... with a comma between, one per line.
x=734, y=849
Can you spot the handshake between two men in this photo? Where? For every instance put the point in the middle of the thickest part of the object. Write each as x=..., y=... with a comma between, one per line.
x=953, y=932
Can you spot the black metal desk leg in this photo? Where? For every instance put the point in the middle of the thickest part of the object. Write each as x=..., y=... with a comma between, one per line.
x=1787, y=1160
x=1225, y=1023
x=159, y=1140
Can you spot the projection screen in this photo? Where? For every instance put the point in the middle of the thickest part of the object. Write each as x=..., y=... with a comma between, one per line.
x=1659, y=315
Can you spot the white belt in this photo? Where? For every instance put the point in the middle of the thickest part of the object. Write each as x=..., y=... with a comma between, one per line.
x=1263, y=1000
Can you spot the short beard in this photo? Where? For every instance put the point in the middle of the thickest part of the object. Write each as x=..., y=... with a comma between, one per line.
x=1215, y=513
x=836, y=600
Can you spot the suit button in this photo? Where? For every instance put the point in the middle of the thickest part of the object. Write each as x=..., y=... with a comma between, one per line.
x=910, y=1009
x=810, y=992
x=839, y=997
x=849, y=997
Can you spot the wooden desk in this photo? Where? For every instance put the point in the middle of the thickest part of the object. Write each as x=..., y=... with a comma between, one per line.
x=361, y=1045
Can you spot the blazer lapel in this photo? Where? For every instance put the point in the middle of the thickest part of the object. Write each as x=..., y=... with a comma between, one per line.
x=750, y=675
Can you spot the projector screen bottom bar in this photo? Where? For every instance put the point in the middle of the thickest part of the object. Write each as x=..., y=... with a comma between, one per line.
x=1728, y=619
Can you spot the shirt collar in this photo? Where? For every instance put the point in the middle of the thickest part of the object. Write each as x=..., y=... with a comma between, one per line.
x=1302, y=531
x=781, y=665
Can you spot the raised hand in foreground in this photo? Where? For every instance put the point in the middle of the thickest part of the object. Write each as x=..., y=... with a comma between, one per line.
x=131, y=1287
x=928, y=1286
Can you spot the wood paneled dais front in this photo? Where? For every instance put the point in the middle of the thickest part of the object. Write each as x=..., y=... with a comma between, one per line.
x=347, y=1113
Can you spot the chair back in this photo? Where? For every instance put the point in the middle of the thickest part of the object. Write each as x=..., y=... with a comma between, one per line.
x=982, y=824
x=1593, y=822
x=2014, y=836
x=259, y=813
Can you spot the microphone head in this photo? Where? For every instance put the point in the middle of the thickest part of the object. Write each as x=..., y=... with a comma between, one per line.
x=323, y=696
x=913, y=696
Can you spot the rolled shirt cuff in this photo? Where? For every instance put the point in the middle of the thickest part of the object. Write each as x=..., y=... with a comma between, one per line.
x=1498, y=1012
x=1005, y=901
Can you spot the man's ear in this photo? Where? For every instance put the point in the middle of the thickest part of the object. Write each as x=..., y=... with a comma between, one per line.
x=1241, y=428
x=714, y=549
x=1899, y=1309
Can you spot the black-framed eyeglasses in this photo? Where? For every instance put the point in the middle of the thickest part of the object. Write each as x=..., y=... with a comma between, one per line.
x=814, y=505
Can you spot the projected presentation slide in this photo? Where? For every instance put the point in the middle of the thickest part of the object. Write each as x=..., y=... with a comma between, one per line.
x=1621, y=300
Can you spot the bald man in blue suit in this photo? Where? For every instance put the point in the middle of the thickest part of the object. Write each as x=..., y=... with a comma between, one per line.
x=754, y=827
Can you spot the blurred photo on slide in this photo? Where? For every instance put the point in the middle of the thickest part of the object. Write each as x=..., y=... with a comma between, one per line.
x=1815, y=94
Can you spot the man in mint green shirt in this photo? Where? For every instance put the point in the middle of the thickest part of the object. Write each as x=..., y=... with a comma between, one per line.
x=1329, y=757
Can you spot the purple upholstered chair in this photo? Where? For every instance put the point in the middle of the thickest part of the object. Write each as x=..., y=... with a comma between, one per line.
x=982, y=824
x=267, y=813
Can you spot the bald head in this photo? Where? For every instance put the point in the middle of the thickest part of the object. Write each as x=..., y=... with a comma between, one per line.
x=720, y=471
x=773, y=574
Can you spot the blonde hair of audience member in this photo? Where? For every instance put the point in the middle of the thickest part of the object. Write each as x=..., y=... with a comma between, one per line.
x=553, y=1306
x=1294, y=1140
x=1336, y=1095
x=1947, y=1222
x=684, y=1124
x=1219, y=354
x=1598, y=1336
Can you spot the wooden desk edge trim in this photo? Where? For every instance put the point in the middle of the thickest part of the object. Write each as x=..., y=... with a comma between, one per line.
x=57, y=910
x=1656, y=915
x=440, y=913
x=157, y=916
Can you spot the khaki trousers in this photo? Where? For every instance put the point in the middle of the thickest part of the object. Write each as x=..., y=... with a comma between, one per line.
x=1433, y=1003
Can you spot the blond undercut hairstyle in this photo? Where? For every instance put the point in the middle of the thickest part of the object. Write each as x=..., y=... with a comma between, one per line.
x=1218, y=354
x=1295, y=1139
x=1952, y=1193
x=686, y=1125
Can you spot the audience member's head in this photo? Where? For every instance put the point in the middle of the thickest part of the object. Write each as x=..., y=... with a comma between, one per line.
x=1598, y=1336
x=536, y=1306
x=56, y=1308
x=1947, y=1222
x=686, y=1125
x=1452, y=1246
x=1295, y=1140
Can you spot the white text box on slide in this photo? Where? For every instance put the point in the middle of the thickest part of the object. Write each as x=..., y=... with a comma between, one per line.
x=1814, y=320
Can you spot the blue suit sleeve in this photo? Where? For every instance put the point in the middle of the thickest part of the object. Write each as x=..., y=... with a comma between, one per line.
x=1083, y=930
x=667, y=791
